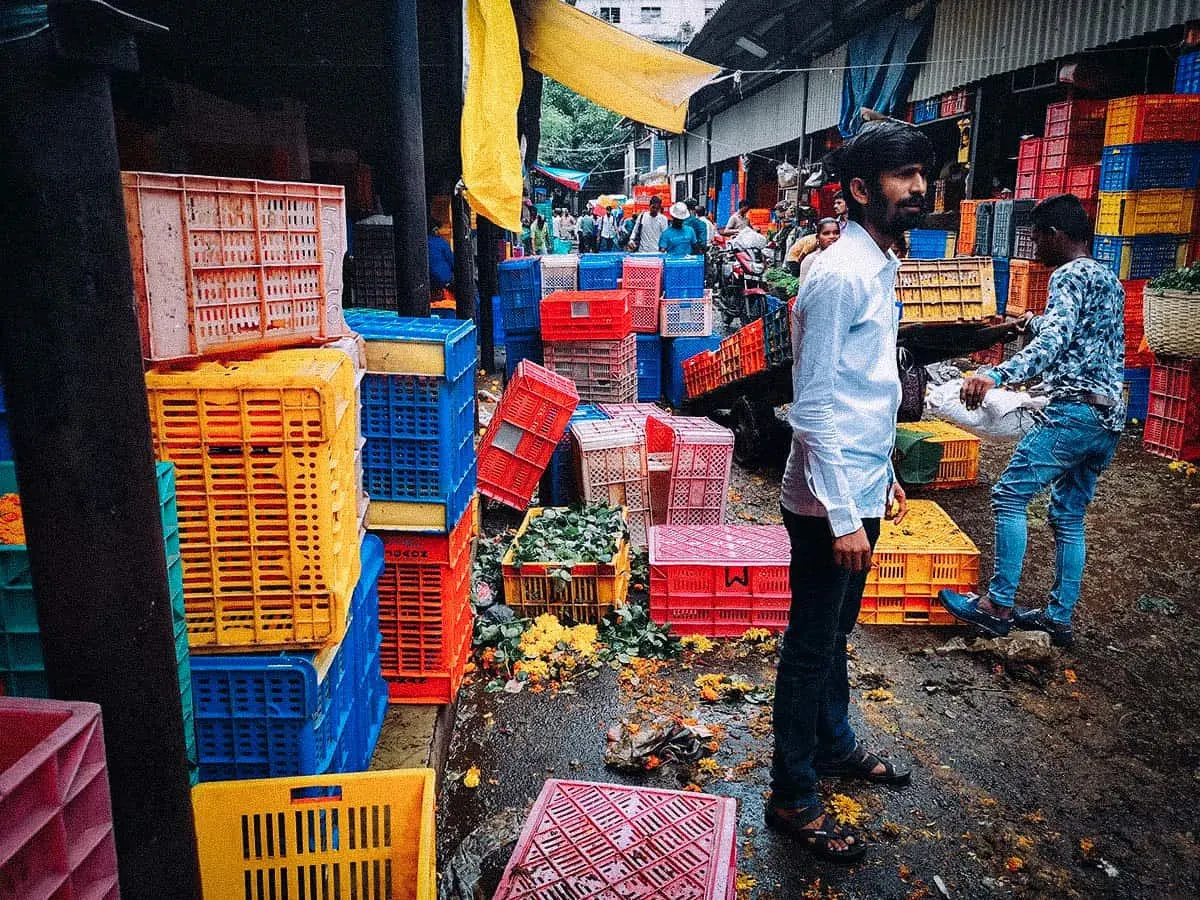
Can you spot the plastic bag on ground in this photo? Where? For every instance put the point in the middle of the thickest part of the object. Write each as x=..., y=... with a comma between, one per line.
x=1004, y=414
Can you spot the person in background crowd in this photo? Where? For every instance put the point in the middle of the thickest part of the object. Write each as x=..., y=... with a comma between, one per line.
x=539, y=235
x=1078, y=349
x=570, y=227
x=828, y=231
x=527, y=213
x=738, y=220
x=839, y=481
x=649, y=228
x=693, y=223
x=441, y=263
x=557, y=225
x=608, y=229
x=678, y=239
x=587, y=233
x=839, y=208
x=711, y=229
x=625, y=232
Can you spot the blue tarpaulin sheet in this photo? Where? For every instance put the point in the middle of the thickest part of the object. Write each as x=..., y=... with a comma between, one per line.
x=879, y=73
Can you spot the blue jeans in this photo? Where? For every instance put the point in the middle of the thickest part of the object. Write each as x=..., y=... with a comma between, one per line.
x=1067, y=452
x=812, y=690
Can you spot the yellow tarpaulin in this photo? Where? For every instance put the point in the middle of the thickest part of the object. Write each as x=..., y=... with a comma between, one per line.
x=623, y=73
x=491, y=153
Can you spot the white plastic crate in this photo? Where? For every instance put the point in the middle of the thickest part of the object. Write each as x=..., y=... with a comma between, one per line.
x=643, y=278
x=612, y=469
x=560, y=272
x=701, y=457
x=603, y=371
x=686, y=318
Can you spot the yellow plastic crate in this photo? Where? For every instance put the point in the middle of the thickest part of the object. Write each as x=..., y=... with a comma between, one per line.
x=946, y=290
x=264, y=454
x=960, y=453
x=1133, y=213
x=368, y=835
x=912, y=562
x=593, y=590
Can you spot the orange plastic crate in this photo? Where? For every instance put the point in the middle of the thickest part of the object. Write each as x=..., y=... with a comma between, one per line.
x=730, y=354
x=960, y=451
x=752, y=348
x=759, y=218
x=1135, y=326
x=222, y=264
x=1152, y=117
x=1028, y=287
x=264, y=454
x=425, y=614
x=915, y=560
x=965, y=245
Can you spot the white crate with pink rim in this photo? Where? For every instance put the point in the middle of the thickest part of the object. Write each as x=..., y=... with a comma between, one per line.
x=560, y=272
x=611, y=461
x=699, y=453
x=686, y=317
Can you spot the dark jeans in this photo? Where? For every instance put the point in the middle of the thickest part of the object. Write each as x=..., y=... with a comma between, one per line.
x=812, y=691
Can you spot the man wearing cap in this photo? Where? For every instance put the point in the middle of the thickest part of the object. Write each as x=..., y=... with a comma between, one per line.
x=678, y=239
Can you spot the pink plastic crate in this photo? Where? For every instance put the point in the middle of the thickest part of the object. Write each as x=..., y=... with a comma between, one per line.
x=227, y=264
x=601, y=370
x=585, y=840
x=530, y=420
x=56, y=834
x=612, y=469
x=700, y=457
x=719, y=580
x=634, y=412
x=643, y=279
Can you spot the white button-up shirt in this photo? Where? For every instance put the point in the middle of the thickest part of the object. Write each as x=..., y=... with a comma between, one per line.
x=846, y=385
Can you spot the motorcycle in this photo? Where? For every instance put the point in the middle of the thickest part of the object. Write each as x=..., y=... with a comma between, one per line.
x=746, y=293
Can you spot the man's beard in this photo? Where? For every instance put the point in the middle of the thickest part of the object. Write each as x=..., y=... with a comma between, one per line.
x=893, y=223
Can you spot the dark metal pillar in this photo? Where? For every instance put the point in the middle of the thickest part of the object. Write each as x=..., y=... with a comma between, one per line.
x=487, y=236
x=464, y=258
x=71, y=362
x=410, y=212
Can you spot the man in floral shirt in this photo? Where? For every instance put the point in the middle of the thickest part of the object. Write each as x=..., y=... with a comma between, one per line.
x=1079, y=350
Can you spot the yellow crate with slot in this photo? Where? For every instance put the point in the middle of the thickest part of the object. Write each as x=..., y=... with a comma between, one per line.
x=960, y=453
x=1133, y=213
x=366, y=835
x=946, y=290
x=912, y=562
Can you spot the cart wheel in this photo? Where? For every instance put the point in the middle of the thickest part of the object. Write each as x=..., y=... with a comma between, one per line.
x=752, y=422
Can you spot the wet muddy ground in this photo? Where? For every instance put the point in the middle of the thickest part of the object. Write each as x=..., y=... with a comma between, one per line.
x=1079, y=777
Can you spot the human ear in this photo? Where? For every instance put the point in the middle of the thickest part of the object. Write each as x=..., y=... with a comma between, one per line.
x=858, y=190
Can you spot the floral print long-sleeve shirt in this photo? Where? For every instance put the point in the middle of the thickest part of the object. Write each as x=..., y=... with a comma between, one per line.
x=1079, y=342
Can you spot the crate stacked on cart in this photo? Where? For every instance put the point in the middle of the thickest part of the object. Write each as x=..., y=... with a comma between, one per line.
x=1149, y=174
x=22, y=666
x=702, y=372
x=57, y=839
x=777, y=335
x=530, y=419
x=560, y=483
x=610, y=457
x=588, y=338
x=520, y=286
x=675, y=352
x=1173, y=417
x=699, y=458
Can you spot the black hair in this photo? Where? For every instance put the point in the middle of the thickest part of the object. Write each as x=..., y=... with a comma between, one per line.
x=744, y=203
x=656, y=199
x=839, y=196
x=1065, y=213
x=878, y=147
x=691, y=203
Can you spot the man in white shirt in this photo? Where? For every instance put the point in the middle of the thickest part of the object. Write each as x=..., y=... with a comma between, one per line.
x=739, y=220
x=649, y=228
x=839, y=481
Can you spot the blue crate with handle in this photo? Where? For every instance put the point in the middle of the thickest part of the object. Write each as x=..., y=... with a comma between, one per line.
x=559, y=486
x=600, y=271
x=1146, y=256
x=271, y=715
x=1137, y=394
x=444, y=348
x=777, y=335
x=1187, y=74
x=649, y=368
x=497, y=323
x=521, y=346
x=926, y=110
x=675, y=351
x=683, y=277
x=924, y=243
x=1138, y=167
x=1000, y=278
x=520, y=286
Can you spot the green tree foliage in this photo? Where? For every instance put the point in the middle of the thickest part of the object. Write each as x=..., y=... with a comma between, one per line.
x=572, y=122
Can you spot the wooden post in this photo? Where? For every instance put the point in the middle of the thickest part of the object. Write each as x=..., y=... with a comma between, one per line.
x=410, y=212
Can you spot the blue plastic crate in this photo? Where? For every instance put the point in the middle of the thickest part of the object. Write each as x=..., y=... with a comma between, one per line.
x=458, y=356
x=1137, y=394
x=675, y=351
x=268, y=715
x=497, y=323
x=558, y=486
x=777, y=336
x=418, y=434
x=924, y=243
x=683, y=277
x=1138, y=167
x=1147, y=256
x=521, y=346
x=1000, y=269
x=649, y=368
x=521, y=294
x=6, y=451
x=600, y=271
x=1187, y=74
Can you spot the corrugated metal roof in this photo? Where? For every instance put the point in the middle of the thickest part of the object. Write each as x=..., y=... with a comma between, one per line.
x=772, y=116
x=973, y=39
x=825, y=90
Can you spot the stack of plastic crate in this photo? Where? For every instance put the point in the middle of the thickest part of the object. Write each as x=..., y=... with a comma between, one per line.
x=560, y=483
x=642, y=276
x=1011, y=218
x=699, y=457
x=1028, y=287
x=529, y=421
x=1074, y=134
x=611, y=459
x=1149, y=174
x=589, y=339
x=22, y=667
x=1173, y=419
x=520, y=285
x=675, y=352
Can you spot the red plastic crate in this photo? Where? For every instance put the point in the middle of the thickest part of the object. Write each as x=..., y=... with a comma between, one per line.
x=701, y=373
x=1152, y=117
x=1026, y=186
x=425, y=613
x=643, y=279
x=992, y=356
x=700, y=457
x=719, y=580
x=730, y=354
x=585, y=840
x=1076, y=116
x=1173, y=421
x=1135, y=327
x=613, y=469
x=1050, y=182
x=56, y=839
x=752, y=348
x=1028, y=287
x=530, y=420
x=1029, y=156
x=586, y=315
x=1084, y=181
x=1077, y=149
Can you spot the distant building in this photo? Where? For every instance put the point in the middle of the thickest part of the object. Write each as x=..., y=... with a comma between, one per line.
x=671, y=23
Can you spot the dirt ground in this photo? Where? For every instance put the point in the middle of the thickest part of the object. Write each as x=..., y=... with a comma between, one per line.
x=1076, y=778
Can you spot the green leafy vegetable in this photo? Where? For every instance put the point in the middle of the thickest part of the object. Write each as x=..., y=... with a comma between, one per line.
x=577, y=534
x=628, y=631
x=1185, y=279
